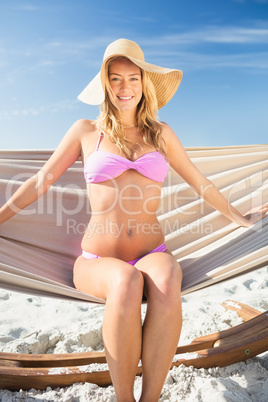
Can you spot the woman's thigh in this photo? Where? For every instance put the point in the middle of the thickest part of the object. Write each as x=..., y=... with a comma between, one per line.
x=161, y=271
x=103, y=276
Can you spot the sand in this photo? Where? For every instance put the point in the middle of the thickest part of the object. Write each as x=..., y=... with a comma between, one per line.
x=42, y=325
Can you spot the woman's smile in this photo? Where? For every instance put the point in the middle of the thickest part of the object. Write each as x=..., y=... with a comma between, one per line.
x=125, y=98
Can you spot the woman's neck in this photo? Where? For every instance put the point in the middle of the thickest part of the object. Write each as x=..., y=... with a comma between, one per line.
x=129, y=119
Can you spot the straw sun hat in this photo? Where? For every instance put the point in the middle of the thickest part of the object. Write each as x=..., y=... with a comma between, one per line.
x=166, y=81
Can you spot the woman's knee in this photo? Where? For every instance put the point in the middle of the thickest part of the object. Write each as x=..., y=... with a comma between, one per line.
x=127, y=286
x=169, y=277
x=165, y=282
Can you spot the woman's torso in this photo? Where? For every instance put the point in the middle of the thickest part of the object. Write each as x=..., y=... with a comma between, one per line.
x=123, y=220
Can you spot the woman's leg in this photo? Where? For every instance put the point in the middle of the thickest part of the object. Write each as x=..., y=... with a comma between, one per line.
x=121, y=285
x=162, y=325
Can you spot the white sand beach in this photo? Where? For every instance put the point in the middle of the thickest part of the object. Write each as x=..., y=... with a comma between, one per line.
x=43, y=325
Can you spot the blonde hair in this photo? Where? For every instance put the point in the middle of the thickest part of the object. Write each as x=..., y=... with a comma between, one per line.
x=147, y=121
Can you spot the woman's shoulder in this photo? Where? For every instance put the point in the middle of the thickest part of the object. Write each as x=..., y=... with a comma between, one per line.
x=171, y=139
x=82, y=129
x=165, y=126
x=83, y=125
x=167, y=131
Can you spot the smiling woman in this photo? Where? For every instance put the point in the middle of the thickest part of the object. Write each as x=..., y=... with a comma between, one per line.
x=126, y=153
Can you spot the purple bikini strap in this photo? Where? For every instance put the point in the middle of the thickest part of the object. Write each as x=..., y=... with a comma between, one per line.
x=99, y=140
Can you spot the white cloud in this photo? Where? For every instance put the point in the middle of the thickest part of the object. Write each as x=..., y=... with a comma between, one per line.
x=250, y=62
x=64, y=105
x=6, y=114
x=235, y=35
x=261, y=2
x=26, y=7
x=214, y=34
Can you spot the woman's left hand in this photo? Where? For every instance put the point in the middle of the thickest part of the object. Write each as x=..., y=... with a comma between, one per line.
x=256, y=214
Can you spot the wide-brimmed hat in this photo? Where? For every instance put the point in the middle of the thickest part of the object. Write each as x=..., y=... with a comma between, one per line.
x=165, y=80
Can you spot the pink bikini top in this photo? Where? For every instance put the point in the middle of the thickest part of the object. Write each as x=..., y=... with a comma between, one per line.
x=101, y=165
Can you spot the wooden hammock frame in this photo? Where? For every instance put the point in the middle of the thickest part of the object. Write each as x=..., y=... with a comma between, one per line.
x=25, y=371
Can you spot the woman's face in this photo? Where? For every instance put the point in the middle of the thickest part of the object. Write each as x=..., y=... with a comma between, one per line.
x=126, y=85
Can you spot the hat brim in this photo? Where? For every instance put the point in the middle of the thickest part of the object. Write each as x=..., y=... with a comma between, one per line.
x=166, y=82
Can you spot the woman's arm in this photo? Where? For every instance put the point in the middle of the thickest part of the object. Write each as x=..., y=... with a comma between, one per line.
x=65, y=155
x=181, y=163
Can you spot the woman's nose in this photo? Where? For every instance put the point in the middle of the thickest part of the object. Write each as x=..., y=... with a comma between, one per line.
x=124, y=84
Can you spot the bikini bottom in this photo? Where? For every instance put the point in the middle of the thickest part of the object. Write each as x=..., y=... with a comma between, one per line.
x=159, y=249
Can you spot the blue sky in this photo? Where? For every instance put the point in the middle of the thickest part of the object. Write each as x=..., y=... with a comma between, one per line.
x=50, y=50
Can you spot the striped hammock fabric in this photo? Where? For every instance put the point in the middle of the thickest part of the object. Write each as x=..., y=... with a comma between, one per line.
x=39, y=245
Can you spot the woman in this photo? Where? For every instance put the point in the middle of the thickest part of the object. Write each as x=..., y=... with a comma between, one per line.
x=126, y=153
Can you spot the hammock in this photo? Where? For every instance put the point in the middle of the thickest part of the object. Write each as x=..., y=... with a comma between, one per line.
x=39, y=245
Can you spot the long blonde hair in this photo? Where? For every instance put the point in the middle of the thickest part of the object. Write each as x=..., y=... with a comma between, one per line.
x=147, y=121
